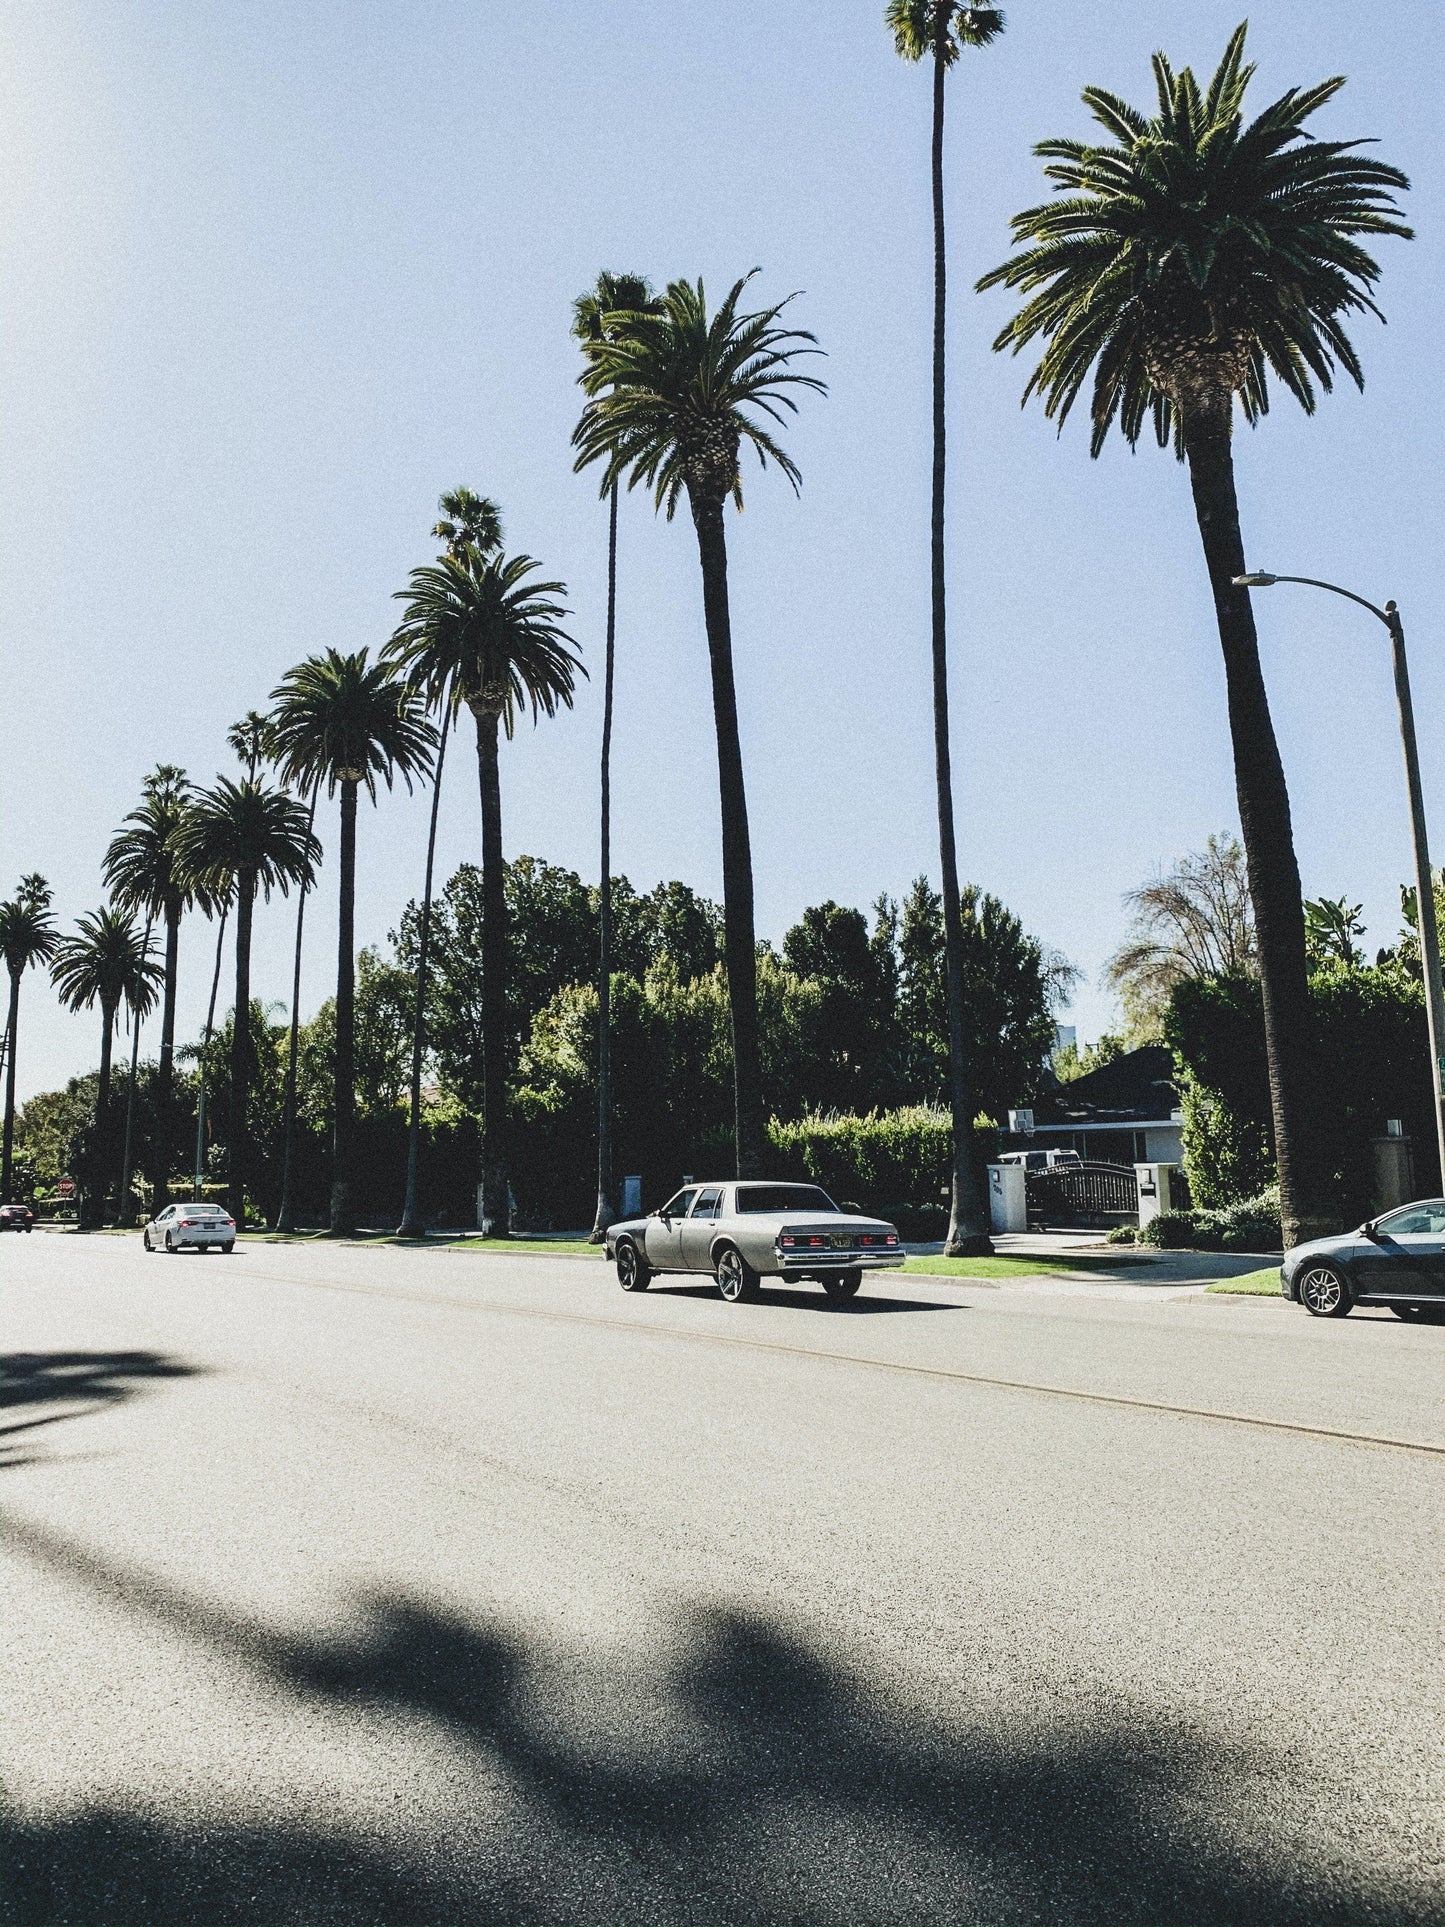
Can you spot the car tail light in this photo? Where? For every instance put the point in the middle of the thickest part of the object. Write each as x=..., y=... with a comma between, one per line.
x=786, y=1240
x=892, y=1238
x=815, y=1241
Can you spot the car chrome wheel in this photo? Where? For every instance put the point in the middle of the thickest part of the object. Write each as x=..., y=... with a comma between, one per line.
x=1323, y=1292
x=632, y=1270
x=736, y=1279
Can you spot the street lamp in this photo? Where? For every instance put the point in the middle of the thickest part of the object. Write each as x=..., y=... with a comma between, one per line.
x=1424, y=883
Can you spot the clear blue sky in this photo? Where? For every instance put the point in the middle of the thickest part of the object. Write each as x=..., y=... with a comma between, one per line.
x=275, y=276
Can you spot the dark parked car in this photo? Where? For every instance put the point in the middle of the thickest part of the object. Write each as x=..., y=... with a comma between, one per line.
x=1397, y=1260
x=16, y=1217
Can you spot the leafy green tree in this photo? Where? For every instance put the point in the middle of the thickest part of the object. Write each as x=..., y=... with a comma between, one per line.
x=144, y=874
x=239, y=838
x=264, y=1097
x=1190, y=256
x=850, y=1056
x=384, y=1014
x=478, y=630
x=106, y=962
x=1406, y=952
x=1070, y=1062
x=343, y=721
x=1331, y=927
x=938, y=31
x=1013, y=989
x=1374, y=1065
x=669, y=401
x=605, y=310
x=1194, y=920
x=27, y=936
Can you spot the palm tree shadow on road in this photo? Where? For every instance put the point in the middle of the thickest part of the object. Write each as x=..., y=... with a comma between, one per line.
x=747, y=1776
x=91, y=1381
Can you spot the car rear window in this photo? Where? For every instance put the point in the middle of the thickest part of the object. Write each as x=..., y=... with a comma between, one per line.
x=783, y=1197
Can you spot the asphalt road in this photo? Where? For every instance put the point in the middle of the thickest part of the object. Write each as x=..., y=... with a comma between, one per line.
x=364, y=1585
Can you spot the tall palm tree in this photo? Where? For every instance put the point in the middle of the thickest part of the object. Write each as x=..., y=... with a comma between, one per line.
x=286, y=1211
x=668, y=405
x=240, y=838
x=106, y=962
x=251, y=740
x=27, y=936
x=478, y=631
x=1190, y=256
x=469, y=521
x=123, y=1211
x=938, y=31
x=601, y=311
x=344, y=721
x=144, y=874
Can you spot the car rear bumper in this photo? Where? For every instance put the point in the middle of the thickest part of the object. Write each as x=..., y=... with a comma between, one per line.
x=794, y=1263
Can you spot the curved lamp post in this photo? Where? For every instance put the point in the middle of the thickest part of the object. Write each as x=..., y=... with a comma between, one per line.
x=1424, y=882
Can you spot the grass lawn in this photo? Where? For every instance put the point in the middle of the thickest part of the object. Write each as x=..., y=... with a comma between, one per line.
x=1075, y=1264
x=529, y=1247
x=1251, y=1284
x=460, y=1241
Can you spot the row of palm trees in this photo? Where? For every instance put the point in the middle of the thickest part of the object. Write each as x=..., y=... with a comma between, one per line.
x=1182, y=262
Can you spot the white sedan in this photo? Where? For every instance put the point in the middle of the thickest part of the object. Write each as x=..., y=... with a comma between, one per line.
x=194, y=1227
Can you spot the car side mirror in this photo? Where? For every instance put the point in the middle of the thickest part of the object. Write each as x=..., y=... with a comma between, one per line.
x=1369, y=1229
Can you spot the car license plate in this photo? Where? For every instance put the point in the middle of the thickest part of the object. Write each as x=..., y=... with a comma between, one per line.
x=842, y=1240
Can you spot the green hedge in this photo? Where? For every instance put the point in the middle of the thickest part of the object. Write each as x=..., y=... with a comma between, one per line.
x=896, y=1162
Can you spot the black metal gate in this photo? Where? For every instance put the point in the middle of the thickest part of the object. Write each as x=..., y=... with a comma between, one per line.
x=1082, y=1194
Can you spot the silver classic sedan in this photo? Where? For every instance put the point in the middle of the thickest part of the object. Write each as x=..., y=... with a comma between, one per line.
x=742, y=1233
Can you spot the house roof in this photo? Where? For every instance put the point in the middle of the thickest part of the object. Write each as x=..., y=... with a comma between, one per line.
x=1137, y=1088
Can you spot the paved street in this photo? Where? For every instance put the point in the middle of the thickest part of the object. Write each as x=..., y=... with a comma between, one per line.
x=350, y=1584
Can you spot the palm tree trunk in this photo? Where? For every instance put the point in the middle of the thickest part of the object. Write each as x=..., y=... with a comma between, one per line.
x=286, y=1215
x=12, y=1026
x=605, y=1212
x=411, y=1225
x=122, y=1209
x=165, y=1069
x=205, y=1050
x=1264, y=821
x=94, y=1205
x=343, y=1177
x=494, y=1212
x=967, y=1227
x=239, y=1161
x=739, y=942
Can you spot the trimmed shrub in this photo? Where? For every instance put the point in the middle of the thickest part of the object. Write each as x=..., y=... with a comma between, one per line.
x=1123, y=1234
x=1170, y=1231
x=1252, y=1225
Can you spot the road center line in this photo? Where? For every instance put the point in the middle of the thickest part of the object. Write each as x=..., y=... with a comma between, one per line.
x=941, y=1372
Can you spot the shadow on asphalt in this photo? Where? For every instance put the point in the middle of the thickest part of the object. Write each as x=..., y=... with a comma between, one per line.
x=744, y=1777
x=814, y=1300
x=90, y=1381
